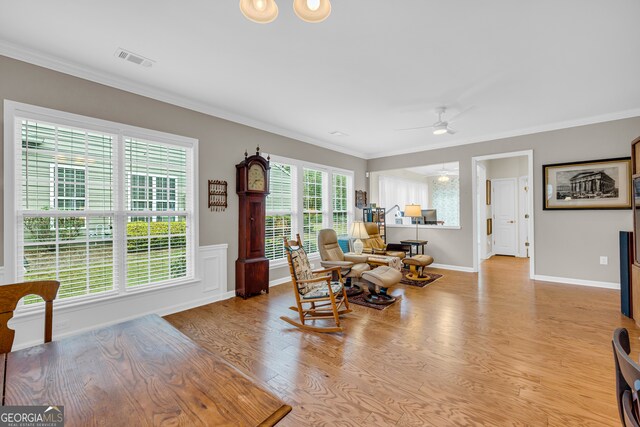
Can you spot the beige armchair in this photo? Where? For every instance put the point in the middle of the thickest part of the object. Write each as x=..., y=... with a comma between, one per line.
x=331, y=255
x=376, y=245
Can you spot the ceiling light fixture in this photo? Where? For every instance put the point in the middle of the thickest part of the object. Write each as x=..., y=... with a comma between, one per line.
x=265, y=11
x=440, y=129
x=337, y=133
x=313, y=11
x=444, y=175
x=260, y=11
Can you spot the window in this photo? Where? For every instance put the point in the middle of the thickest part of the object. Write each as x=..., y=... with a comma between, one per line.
x=314, y=188
x=87, y=203
x=71, y=188
x=312, y=213
x=341, y=211
x=401, y=192
x=280, y=212
x=156, y=245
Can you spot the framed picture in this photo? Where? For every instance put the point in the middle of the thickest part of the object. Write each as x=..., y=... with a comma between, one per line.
x=361, y=199
x=488, y=192
x=593, y=184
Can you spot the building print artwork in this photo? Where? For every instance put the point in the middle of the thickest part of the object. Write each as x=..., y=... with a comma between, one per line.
x=591, y=184
x=595, y=184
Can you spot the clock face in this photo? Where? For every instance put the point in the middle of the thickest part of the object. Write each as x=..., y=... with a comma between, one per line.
x=256, y=178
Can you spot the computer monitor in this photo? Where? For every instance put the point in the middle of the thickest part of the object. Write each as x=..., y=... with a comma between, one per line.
x=430, y=216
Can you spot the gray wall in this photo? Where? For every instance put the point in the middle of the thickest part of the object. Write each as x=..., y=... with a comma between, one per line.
x=567, y=243
x=510, y=167
x=222, y=143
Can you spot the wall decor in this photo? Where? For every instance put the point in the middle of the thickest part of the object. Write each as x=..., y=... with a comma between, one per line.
x=592, y=184
x=217, y=195
x=488, y=192
x=489, y=226
x=361, y=199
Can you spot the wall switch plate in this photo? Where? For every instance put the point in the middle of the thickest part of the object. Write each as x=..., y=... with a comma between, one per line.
x=604, y=260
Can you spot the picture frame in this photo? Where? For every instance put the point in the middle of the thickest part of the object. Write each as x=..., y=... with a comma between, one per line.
x=361, y=199
x=590, y=184
x=488, y=192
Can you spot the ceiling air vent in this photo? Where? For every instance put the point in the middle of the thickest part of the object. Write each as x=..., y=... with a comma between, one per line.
x=134, y=57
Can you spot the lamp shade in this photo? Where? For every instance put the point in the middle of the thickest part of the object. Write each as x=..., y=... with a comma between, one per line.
x=260, y=11
x=413, y=211
x=358, y=230
x=312, y=10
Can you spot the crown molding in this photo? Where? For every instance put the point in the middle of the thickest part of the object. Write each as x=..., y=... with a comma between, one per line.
x=513, y=133
x=69, y=67
x=77, y=70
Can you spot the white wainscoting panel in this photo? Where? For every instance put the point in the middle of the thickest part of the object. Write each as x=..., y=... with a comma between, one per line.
x=213, y=267
x=210, y=285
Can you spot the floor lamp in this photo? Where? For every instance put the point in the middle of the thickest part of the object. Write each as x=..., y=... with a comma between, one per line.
x=413, y=211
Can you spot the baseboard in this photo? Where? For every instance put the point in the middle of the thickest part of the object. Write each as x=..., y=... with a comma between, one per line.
x=452, y=267
x=282, y=280
x=580, y=282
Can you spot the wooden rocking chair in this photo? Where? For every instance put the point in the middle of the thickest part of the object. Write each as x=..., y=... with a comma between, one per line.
x=327, y=298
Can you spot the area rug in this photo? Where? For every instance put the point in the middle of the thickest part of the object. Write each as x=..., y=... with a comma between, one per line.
x=359, y=300
x=419, y=283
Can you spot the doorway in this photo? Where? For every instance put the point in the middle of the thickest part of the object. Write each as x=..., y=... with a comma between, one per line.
x=502, y=188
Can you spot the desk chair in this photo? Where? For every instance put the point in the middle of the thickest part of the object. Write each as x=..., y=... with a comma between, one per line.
x=627, y=379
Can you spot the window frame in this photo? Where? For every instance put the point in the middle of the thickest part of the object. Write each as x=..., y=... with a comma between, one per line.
x=14, y=111
x=297, y=221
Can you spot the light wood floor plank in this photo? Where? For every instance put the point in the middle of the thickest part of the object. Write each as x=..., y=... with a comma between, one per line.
x=490, y=349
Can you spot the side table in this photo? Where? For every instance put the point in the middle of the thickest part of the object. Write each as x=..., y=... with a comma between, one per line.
x=417, y=244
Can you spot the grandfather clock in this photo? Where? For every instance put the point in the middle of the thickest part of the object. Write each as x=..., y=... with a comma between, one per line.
x=252, y=186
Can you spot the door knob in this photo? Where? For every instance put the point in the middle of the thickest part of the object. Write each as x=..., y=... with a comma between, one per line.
x=511, y=222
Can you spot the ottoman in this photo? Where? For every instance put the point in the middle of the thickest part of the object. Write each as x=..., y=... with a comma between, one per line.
x=379, y=280
x=417, y=264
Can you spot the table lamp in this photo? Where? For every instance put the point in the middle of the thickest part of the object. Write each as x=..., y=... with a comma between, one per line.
x=413, y=211
x=358, y=231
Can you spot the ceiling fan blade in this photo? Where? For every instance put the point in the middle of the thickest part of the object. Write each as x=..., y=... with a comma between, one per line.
x=451, y=131
x=419, y=127
x=460, y=114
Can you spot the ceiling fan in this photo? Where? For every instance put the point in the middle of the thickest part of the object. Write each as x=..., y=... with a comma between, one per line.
x=440, y=127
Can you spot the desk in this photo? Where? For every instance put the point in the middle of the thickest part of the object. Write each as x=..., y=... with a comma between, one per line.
x=416, y=243
x=141, y=372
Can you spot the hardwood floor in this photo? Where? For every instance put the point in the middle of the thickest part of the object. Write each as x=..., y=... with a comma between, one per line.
x=491, y=349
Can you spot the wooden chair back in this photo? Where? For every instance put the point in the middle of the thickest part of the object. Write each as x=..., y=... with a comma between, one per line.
x=627, y=379
x=299, y=265
x=10, y=295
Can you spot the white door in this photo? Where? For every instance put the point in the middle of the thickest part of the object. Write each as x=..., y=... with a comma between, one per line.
x=505, y=234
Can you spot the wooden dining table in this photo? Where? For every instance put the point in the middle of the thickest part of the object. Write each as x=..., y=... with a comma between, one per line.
x=141, y=372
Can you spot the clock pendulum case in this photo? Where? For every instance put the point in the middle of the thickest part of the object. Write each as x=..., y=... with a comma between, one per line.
x=252, y=186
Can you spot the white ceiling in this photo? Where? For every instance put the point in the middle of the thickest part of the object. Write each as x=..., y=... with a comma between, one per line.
x=372, y=67
x=451, y=168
